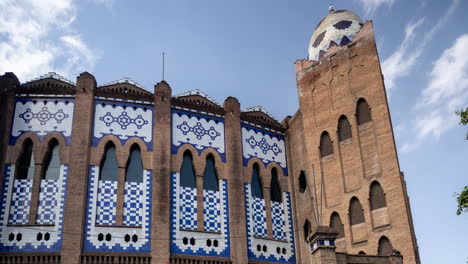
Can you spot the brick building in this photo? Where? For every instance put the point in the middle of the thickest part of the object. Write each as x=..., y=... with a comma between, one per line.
x=116, y=174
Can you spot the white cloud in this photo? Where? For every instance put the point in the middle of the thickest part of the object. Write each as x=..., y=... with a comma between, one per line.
x=370, y=6
x=402, y=61
x=446, y=91
x=38, y=37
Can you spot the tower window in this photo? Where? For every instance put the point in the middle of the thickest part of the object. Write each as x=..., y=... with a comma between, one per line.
x=307, y=229
x=257, y=187
x=52, y=162
x=363, y=112
x=275, y=190
x=326, y=146
x=377, y=197
x=335, y=223
x=108, y=169
x=385, y=247
x=210, y=177
x=344, y=128
x=355, y=212
x=187, y=172
x=26, y=162
x=302, y=182
x=134, y=170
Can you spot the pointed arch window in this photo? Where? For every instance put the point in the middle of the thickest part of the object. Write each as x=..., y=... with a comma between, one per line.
x=257, y=187
x=344, y=128
x=377, y=196
x=302, y=182
x=275, y=189
x=363, y=114
x=356, y=213
x=385, y=247
x=26, y=162
x=326, y=146
x=307, y=229
x=335, y=223
x=187, y=172
x=210, y=177
x=109, y=169
x=51, y=168
x=134, y=170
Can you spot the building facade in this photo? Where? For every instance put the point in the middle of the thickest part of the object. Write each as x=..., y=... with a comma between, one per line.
x=116, y=174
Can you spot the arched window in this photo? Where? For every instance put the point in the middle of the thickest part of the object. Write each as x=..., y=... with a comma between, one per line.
x=363, y=114
x=302, y=182
x=307, y=229
x=210, y=177
x=187, y=172
x=355, y=212
x=275, y=190
x=362, y=253
x=385, y=247
x=26, y=162
x=344, y=128
x=326, y=146
x=335, y=223
x=108, y=169
x=256, y=183
x=134, y=170
x=377, y=197
x=51, y=168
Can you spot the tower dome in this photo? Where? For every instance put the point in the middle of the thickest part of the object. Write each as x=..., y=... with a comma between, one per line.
x=336, y=29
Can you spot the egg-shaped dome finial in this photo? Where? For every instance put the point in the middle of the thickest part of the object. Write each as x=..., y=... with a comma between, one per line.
x=338, y=28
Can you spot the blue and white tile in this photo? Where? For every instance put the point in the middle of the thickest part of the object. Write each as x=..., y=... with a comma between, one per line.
x=48, y=198
x=211, y=211
x=133, y=203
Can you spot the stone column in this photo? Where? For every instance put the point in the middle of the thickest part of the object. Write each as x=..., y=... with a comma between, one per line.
x=322, y=246
x=75, y=204
x=235, y=177
x=161, y=224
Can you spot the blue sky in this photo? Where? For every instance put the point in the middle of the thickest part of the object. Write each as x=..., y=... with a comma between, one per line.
x=247, y=49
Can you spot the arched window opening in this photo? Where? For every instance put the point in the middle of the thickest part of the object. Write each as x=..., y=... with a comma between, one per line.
x=377, y=196
x=51, y=168
x=210, y=177
x=256, y=184
x=307, y=229
x=108, y=169
x=385, y=247
x=344, y=128
x=26, y=162
x=363, y=114
x=134, y=170
x=326, y=146
x=336, y=224
x=275, y=189
x=187, y=172
x=355, y=212
x=302, y=182
x=362, y=253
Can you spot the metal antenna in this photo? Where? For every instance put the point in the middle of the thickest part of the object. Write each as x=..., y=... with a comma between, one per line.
x=163, y=65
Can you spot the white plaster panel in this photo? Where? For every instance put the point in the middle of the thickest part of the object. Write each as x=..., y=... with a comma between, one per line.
x=124, y=123
x=43, y=118
x=199, y=132
x=263, y=146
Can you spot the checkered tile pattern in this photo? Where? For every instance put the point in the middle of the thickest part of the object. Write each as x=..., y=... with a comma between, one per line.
x=106, y=203
x=259, y=217
x=20, y=202
x=133, y=205
x=277, y=217
x=211, y=211
x=47, y=202
x=188, y=208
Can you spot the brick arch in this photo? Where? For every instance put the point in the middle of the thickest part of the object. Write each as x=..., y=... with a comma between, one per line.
x=282, y=180
x=17, y=149
x=337, y=224
x=63, y=148
x=264, y=178
x=219, y=164
x=97, y=153
x=326, y=144
x=178, y=158
x=356, y=212
x=363, y=111
x=344, y=128
x=376, y=196
x=145, y=154
x=384, y=247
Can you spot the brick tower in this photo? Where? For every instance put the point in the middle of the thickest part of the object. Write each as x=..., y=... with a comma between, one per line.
x=342, y=149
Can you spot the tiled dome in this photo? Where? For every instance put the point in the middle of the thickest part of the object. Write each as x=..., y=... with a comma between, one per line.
x=336, y=29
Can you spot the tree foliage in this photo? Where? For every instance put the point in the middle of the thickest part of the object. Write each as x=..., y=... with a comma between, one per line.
x=462, y=201
x=463, y=118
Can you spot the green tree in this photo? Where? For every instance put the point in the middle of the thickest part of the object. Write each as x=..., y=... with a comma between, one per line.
x=462, y=198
